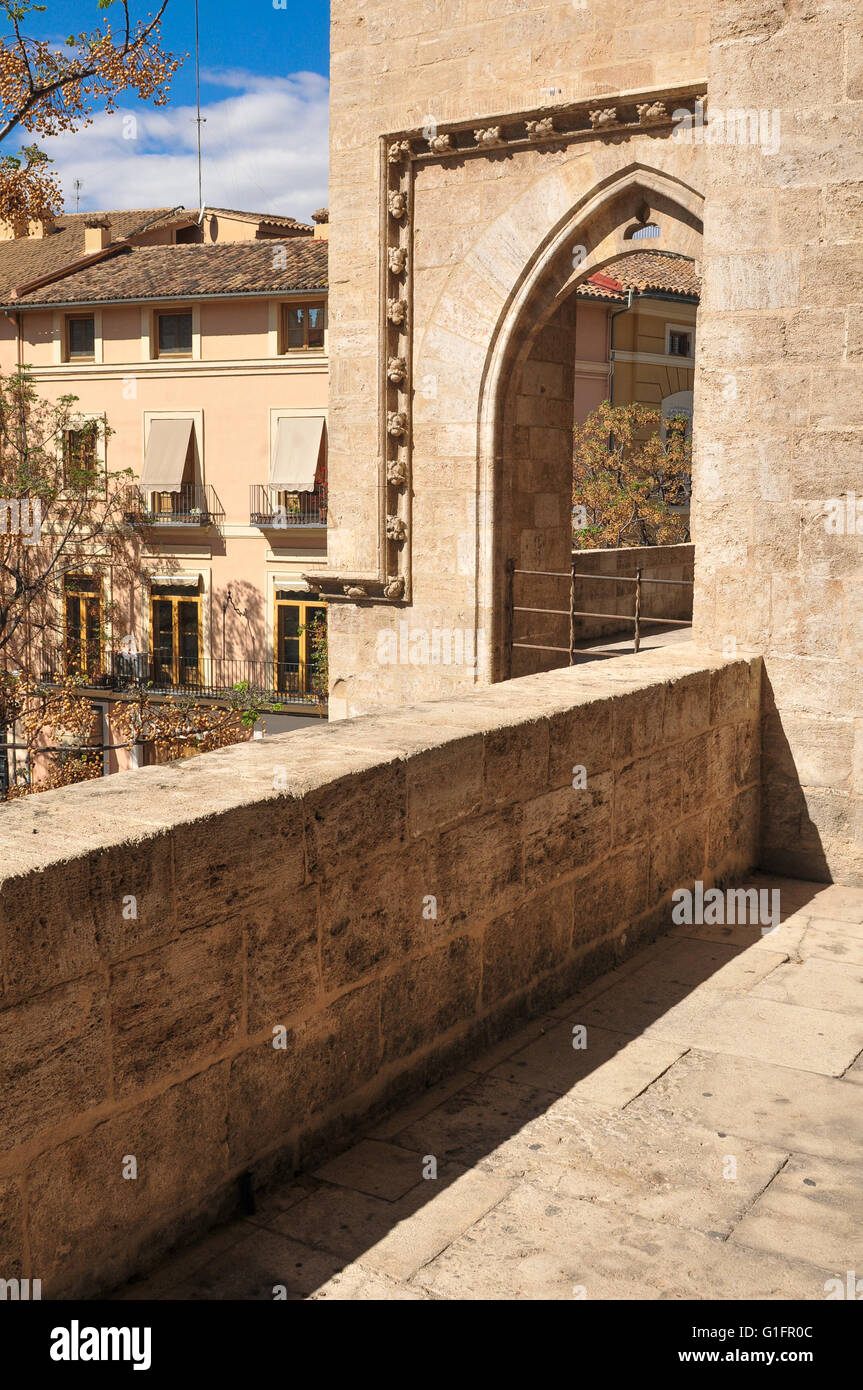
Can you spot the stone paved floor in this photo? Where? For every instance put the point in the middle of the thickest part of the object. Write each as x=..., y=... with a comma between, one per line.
x=708, y=1143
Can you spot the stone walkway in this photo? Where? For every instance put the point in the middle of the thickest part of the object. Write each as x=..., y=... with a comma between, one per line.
x=707, y=1143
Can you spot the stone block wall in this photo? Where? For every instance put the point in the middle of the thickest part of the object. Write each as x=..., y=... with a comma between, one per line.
x=778, y=480
x=379, y=898
x=674, y=600
x=476, y=225
x=674, y=562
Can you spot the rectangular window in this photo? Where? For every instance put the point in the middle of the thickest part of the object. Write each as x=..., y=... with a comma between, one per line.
x=297, y=618
x=80, y=464
x=303, y=327
x=174, y=335
x=81, y=338
x=175, y=624
x=679, y=343
x=83, y=624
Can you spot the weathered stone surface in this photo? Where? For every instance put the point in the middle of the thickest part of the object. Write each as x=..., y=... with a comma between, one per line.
x=55, y=1059
x=609, y=1068
x=224, y=864
x=80, y=1199
x=283, y=972
x=175, y=1006
x=811, y=1211
x=272, y=1091
x=11, y=1230
x=428, y=996
x=525, y=943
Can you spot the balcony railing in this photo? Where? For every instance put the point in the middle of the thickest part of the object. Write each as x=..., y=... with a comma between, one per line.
x=191, y=505
x=273, y=508
x=212, y=678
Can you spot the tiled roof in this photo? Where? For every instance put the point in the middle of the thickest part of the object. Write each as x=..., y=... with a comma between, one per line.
x=26, y=258
x=658, y=272
x=184, y=272
x=272, y=219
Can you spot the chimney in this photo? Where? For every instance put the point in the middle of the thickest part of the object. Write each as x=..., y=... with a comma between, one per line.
x=41, y=227
x=321, y=219
x=13, y=227
x=97, y=234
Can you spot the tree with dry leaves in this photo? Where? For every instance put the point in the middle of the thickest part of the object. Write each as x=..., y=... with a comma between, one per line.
x=47, y=88
x=627, y=478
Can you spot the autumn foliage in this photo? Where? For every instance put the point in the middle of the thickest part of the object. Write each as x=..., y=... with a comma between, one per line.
x=47, y=88
x=626, y=478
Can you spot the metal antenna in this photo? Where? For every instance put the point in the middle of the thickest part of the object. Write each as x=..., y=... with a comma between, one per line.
x=77, y=185
x=199, y=120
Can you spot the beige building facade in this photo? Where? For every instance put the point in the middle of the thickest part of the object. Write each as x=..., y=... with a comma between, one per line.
x=484, y=164
x=206, y=363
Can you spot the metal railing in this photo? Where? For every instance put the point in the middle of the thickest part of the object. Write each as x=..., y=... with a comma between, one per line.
x=273, y=507
x=637, y=617
x=194, y=504
x=211, y=678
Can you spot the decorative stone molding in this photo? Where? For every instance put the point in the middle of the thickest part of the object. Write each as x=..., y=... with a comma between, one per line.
x=397, y=370
x=397, y=472
x=649, y=112
x=400, y=155
x=603, y=117
x=397, y=423
x=489, y=137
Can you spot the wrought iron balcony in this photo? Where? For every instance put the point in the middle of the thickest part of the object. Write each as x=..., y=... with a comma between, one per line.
x=210, y=678
x=193, y=505
x=272, y=508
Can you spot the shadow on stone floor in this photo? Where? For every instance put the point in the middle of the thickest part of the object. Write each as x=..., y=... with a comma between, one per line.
x=556, y=1105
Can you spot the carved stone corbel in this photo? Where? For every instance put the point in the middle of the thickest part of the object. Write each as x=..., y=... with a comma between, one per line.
x=440, y=144
x=395, y=588
x=397, y=258
x=489, y=137
x=397, y=204
x=537, y=129
x=397, y=370
x=397, y=472
x=603, y=117
x=355, y=591
x=396, y=529
x=651, y=111
x=397, y=423
x=397, y=310
x=399, y=150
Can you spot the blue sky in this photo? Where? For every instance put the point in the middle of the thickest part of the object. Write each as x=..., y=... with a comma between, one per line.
x=264, y=93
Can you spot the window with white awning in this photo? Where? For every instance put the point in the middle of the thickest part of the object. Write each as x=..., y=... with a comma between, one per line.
x=296, y=452
x=167, y=454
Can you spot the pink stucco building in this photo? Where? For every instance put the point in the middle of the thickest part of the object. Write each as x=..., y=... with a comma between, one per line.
x=202, y=345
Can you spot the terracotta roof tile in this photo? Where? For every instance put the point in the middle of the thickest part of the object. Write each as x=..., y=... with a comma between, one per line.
x=26, y=258
x=184, y=272
x=660, y=272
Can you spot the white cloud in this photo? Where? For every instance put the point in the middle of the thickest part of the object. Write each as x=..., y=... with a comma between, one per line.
x=264, y=149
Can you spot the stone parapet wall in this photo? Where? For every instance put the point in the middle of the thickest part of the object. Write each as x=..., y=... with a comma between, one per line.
x=383, y=897
x=672, y=601
x=675, y=562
